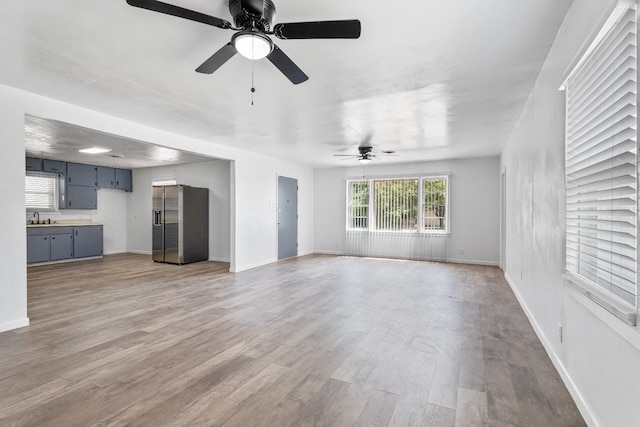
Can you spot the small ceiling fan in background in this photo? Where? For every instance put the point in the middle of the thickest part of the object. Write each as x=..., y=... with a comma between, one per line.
x=253, y=25
x=365, y=153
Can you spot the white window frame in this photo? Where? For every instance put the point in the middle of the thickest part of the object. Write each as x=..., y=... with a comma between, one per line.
x=600, y=278
x=421, y=229
x=54, y=195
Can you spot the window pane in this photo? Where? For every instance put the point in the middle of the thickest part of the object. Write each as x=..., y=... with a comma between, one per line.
x=396, y=204
x=435, y=204
x=359, y=205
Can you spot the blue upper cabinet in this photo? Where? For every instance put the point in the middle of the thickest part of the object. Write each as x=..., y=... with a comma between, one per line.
x=106, y=177
x=33, y=164
x=80, y=174
x=55, y=166
x=123, y=180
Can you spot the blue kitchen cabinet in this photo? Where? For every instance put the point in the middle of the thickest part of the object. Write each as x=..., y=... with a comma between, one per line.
x=87, y=241
x=123, y=180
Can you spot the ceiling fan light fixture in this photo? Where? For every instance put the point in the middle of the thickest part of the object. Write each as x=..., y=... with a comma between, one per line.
x=252, y=45
x=365, y=161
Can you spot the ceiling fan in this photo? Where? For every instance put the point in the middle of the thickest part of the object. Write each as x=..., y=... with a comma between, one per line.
x=253, y=20
x=365, y=154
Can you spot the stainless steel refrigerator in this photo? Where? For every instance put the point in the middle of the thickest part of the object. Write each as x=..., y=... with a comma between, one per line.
x=180, y=224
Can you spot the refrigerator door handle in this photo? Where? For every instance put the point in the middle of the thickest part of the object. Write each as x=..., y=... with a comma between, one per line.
x=157, y=217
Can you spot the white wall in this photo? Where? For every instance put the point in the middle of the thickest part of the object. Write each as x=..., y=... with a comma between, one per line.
x=253, y=232
x=474, y=205
x=256, y=208
x=13, y=250
x=213, y=175
x=599, y=357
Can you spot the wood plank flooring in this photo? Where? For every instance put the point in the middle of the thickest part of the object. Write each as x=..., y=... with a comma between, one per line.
x=313, y=341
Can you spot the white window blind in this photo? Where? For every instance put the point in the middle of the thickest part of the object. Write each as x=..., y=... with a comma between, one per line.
x=41, y=191
x=602, y=165
x=396, y=204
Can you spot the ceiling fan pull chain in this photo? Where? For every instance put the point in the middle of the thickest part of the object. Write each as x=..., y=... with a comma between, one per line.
x=253, y=89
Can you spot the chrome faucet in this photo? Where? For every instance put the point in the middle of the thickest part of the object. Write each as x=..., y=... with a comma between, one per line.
x=37, y=216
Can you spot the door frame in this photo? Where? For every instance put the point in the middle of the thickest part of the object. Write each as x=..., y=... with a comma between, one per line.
x=503, y=220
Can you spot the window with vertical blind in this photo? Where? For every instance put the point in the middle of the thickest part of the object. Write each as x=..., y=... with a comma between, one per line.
x=602, y=168
x=405, y=205
x=41, y=191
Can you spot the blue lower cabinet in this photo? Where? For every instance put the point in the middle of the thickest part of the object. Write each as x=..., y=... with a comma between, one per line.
x=87, y=241
x=46, y=244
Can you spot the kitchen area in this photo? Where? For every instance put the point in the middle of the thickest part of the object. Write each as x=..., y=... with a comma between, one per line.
x=85, y=205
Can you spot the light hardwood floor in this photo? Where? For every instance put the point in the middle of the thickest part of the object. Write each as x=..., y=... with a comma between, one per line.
x=318, y=340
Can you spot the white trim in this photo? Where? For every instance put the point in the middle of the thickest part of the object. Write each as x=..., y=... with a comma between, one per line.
x=627, y=332
x=323, y=252
x=140, y=252
x=581, y=403
x=251, y=266
x=218, y=259
x=399, y=176
x=472, y=262
x=15, y=324
x=597, y=294
x=621, y=8
x=114, y=252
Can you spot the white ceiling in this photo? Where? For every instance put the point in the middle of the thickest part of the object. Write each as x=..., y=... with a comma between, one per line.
x=430, y=79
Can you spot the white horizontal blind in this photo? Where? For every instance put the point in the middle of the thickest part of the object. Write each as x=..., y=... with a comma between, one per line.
x=602, y=163
x=41, y=191
x=396, y=204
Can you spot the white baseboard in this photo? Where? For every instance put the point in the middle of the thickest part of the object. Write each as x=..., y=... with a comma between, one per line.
x=582, y=405
x=238, y=269
x=114, y=252
x=218, y=259
x=473, y=262
x=15, y=324
x=321, y=252
x=134, y=251
x=454, y=261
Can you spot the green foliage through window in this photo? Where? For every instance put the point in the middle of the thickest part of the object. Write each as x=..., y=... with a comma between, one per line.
x=399, y=205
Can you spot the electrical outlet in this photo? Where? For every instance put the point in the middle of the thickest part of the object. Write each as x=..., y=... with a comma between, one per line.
x=521, y=275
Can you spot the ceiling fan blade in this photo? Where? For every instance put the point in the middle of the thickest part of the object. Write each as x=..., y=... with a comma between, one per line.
x=345, y=29
x=254, y=7
x=286, y=66
x=217, y=60
x=180, y=12
x=346, y=155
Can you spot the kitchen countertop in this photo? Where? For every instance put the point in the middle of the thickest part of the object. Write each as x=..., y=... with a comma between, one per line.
x=65, y=223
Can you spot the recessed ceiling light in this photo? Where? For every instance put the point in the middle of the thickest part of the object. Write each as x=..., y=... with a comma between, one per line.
x=95, y=150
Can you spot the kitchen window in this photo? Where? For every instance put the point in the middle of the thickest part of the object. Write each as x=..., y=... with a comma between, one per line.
x=402, y=205
x=602, y=169
x=41, y=191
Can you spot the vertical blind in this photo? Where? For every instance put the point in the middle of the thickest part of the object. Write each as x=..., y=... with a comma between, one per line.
x=406, y=205
x=602, y=164
x=396, y=204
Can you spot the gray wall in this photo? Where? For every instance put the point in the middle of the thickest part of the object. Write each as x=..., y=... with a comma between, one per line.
x=474, y=205
x=213, y=175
